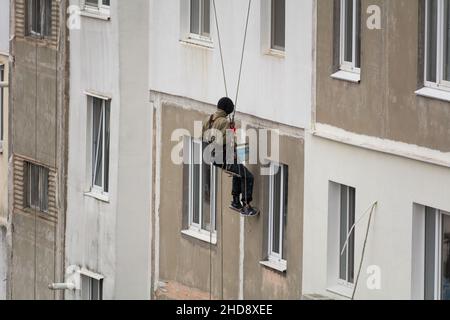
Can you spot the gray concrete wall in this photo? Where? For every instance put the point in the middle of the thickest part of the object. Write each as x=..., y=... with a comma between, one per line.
x=185, y=263
x=384, y=103
x=38, y=127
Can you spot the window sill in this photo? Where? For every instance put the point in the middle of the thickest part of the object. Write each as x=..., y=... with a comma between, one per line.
x=95, y=14
x=347, y=76
x=342, y=291
x=433, y=93
x=98, y=196
x=276, y=53
x=277, y=266
x=202, y=236
x=205, y=44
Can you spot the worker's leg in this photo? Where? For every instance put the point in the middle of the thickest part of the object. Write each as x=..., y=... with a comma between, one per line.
x=247, y=182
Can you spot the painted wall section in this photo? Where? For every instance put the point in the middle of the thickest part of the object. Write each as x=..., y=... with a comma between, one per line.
x=273, y=87
x=112, y=237
x=4, y=26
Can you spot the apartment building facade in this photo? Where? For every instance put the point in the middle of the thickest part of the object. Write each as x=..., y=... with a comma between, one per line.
x=38, y=147
x=110, y=136
x=4, y=97
x=378, y=151
x=202, y=249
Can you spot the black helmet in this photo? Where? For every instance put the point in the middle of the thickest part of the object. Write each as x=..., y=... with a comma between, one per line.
x=226, y=105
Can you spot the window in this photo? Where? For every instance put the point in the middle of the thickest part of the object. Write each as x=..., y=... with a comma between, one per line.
x=91, y=288
x=36, y=187
x=39, y=17
x=200, y=19
x=278, y=24
x=350, y=42
x=278, y=201
x=202, y=190
x=2, y=97
x=97, y=5
x=437, y=44
x=100, y=145
x=347, y=246
x=437, y=255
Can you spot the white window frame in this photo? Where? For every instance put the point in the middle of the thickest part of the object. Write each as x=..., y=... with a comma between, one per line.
x=345, y=282
x=274, y=257
x=196, y=229
x=349, y=66
x=440, y=82
x=99, y=189
x=439, y=215
x=2, y=104
x=99, y=9
x=201, y=36
x=273, y=48
x=90, y=277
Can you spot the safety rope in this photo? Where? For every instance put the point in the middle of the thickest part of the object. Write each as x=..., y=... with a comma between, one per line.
x=242, y=58
x=220, y=48
x=242, y=54
x=232, y=122
x=363, y=251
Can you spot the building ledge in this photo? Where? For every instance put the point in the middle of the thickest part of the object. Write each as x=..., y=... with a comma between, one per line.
x=98, y=196
x=277, y=266
x=202, y=236
x=341, y=291
x=95, y=14
x=434, y=93
x=347, y=76
x=400, y=149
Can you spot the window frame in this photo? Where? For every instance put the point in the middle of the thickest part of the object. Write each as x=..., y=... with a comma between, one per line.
x=274, y=257
x=45, y=19
x=439, y=217
x=100, y=8
x=349, y=66
x=440, y=83
x=195, y=228
x=274, y=48
x=43, y=203
x=201, y=36
x=100, y=189
x=2, y=104
x=345, y=282
x=89, y=278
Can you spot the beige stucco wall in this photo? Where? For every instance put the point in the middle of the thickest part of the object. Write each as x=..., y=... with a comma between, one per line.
x=384, y=103
x=184, y=262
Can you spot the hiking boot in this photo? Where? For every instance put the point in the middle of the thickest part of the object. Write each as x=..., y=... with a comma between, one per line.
x=236, y=204
x=249, y=211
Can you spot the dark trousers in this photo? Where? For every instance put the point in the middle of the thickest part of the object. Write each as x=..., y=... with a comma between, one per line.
x=242, y=183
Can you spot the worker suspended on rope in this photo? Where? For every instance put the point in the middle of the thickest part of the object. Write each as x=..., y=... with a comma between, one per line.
x=242, y=178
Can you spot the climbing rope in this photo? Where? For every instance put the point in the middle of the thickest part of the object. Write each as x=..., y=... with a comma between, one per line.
x=242, y=54
x=232, y=122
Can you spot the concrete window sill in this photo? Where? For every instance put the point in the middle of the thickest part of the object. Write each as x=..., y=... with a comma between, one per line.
x=434, y=93
x=98, y=196
x=347, y=76
x=202, y=236
x=276, y=53
x=95, y=14
x=341, y=290
x=205, y=44
x=277, y=266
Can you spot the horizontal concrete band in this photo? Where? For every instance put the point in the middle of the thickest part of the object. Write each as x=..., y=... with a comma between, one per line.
x=382, y=145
